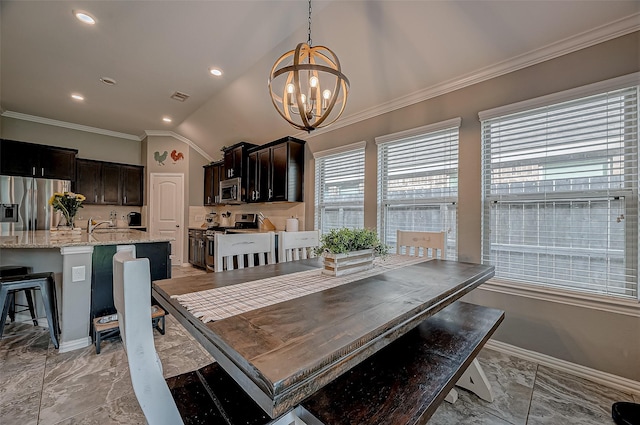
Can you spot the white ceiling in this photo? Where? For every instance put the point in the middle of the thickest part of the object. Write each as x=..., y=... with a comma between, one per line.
x=392, y=52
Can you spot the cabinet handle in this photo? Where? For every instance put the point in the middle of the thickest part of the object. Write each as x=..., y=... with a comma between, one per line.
x=270, y=193
x=33, y=171
x=125, y=199
x=42, y=171
x=208, y=199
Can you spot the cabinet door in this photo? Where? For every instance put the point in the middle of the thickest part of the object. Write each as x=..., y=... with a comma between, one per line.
x=88, y=180
x=218, y=175
x=18, y=159
x=263, y=178
x=233, y=162
x=192, y=248
x=56, y=163
x=252, y=176
x=132, y=182
x=209, y=197
x=110, y=191
x=279, y=176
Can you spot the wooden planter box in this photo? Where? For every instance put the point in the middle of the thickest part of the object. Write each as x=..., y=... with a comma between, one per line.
x=350, y=262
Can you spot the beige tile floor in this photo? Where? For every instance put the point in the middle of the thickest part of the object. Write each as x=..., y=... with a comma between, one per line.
x=38, y=385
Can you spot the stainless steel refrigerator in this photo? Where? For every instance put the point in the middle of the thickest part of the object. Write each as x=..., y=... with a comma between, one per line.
x=29, y=197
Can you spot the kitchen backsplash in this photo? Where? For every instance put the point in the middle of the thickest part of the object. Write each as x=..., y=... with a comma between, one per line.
x=277, y=213
x=102, y=212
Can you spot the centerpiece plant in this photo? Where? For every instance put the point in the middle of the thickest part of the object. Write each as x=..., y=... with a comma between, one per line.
x=349, y=250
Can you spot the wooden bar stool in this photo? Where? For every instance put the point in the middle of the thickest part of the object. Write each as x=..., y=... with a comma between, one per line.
x=45, y=281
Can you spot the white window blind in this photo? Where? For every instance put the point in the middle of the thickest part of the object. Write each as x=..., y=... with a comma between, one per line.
x=339, y=200
x=418, y=182
x=560, y=194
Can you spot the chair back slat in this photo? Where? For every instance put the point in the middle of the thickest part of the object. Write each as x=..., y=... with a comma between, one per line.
x=236, y=247
x=421, y=244
x=297, y=245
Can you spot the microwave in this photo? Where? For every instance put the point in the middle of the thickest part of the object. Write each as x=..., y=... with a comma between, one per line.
x=231, y=191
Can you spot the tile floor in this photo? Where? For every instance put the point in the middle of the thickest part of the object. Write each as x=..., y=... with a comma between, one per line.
x=40, y=386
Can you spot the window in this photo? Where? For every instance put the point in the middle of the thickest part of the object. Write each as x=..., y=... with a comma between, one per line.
x=560, y=192
x=418, y=182
x=340, y=188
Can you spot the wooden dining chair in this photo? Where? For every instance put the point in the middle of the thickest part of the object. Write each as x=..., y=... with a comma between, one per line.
x=297, y=245
x=421, y=244
x=242, y=249
x=132, y=299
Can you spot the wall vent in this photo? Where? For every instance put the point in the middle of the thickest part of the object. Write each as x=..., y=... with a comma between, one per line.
x=179, y=96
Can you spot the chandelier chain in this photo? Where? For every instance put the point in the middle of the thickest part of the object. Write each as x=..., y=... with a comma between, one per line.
x=309, y=31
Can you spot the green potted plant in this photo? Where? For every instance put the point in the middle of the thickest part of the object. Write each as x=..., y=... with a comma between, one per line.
x=349, y=250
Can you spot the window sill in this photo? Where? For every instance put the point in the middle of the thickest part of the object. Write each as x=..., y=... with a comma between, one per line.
x=578, y=299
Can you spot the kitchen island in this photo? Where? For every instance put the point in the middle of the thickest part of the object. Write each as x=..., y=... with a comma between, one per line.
x=82, y=264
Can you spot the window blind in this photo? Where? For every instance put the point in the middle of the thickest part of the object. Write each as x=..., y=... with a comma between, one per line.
x=339, y=200
x=418, y=184
x=560, y=194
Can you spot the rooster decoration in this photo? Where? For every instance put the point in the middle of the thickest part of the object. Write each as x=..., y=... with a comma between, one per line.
x=176, y=156
x=160, y=159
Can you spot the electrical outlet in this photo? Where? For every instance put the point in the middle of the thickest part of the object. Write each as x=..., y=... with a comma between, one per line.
x=199, y=217
x=77, y=273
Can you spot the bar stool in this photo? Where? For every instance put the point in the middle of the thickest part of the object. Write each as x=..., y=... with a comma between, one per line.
x=46, y=283
x=15, y=271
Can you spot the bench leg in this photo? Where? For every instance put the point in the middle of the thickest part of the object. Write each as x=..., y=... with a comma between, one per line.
x=452, y=397
x=474, y=380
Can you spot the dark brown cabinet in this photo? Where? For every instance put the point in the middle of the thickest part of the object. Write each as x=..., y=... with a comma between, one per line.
x=213, y=174
x=33, y=160
x=276, y=171
x=197, y=248
x=235, y=160
x=108, y=183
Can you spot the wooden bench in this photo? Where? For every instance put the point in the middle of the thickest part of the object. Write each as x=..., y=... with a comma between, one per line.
x=108, y=329
x=402, y=384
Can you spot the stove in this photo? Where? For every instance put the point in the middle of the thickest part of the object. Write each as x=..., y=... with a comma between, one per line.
x=242, y=221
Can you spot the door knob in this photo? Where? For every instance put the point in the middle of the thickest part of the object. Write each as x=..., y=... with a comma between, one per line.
x=177, y=225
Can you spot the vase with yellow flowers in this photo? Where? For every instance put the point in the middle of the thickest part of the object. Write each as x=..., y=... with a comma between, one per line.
x=68, y=203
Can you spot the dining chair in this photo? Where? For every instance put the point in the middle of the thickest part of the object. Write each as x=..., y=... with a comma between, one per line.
x=132, y=299
x=230, y=248
x=419, y=244
x=297, y=245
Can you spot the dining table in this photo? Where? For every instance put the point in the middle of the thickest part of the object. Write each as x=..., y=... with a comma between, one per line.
x=285, y=331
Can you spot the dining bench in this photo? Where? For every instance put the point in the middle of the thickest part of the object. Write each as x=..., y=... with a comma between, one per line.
x=402, y=384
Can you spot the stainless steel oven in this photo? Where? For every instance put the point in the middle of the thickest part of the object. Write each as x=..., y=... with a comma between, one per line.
x=231, y=191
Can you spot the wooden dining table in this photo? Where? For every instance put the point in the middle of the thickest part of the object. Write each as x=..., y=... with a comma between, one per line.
x=282, y=353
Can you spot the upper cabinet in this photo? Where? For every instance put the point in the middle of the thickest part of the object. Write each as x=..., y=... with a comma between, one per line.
x=108, y=183
x=33, y=160
x=213, y=174
x=235, y=160
x=276, y=171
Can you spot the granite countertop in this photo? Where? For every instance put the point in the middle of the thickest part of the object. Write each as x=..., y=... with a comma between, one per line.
x=54, y=239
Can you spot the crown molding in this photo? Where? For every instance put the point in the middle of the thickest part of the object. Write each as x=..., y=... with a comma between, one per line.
x=69, y=125
x=563, y=47
x=166, y=133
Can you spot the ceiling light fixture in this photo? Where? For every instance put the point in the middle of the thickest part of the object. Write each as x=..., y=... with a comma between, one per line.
x=84, y=17
x=108, y=81
x=166, y=119
x=215, y=71
x=298, y=96
x=77, y=96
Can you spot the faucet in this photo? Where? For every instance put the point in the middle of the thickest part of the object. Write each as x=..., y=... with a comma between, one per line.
x=91, y=224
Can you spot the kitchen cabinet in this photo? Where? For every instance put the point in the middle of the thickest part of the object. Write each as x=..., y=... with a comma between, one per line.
x=235, y=159
x=213, y=174
x=276, y=171
x=34, y=160
x=197, y=248
x=108, y=183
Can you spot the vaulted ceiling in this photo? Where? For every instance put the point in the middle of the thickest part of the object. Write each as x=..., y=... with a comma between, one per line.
x=393, y=52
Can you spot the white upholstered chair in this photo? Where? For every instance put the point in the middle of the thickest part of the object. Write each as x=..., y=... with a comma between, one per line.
x=421, y=244
x=297, y=245
x=243, y=247
x=132, y=298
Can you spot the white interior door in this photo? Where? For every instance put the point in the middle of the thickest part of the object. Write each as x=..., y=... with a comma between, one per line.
x=166, y=210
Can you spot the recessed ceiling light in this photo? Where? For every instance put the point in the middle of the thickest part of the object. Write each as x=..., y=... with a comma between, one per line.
x=108, y=81
x=166, y=119
x=77, y=96
x=84, y=17
x=215, y=71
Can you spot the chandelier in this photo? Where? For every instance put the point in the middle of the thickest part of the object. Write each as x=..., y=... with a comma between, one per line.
x=307, y=86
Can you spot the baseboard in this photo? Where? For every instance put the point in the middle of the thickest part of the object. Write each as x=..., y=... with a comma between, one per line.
x=610, y=380
x=74, y=345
